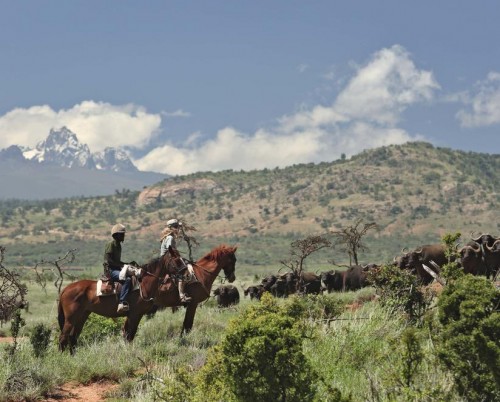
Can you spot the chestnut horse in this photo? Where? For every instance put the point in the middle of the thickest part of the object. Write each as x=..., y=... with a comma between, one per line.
x=79, y=299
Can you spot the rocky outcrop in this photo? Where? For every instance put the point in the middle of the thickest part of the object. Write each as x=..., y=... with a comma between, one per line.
x=170, y=189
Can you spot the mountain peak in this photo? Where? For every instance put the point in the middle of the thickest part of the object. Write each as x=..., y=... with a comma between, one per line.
x=62, y=148
x=115, y=159
x=61, y=136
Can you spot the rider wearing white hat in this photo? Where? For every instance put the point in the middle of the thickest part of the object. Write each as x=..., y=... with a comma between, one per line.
x=168, y=236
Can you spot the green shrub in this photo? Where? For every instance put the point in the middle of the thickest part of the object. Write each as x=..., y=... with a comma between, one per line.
x=314, y=307
x=411, y=357
x=16, y=323
x=453, y=270
x=470, y=337
x=98, y=328
x=260, y=358
x=407, y=379
x=40, y=339
x=401, y=291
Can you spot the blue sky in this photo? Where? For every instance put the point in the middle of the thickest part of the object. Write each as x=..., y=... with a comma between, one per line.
x=190, y=86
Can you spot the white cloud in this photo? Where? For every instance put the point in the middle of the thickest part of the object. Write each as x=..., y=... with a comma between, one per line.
x=231, y=149
x=364, y=115
x=97, y=124
x=484, y=103
x=385, y=87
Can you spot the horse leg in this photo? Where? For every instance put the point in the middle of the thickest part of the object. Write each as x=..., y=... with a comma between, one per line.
x=78, y=327
x=187, y=325
x=64, y=336
x=130, y=326
x=71, y=328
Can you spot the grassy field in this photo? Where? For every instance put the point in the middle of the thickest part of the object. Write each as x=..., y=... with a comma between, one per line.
x=357, y=353
x=414, y=192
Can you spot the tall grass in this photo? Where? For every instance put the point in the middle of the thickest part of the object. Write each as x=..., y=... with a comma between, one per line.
x=359, y=353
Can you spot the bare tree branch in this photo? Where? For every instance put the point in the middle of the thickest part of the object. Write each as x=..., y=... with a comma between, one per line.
x=191, y=241
x=300, y=250
x=57, y=268
x=12, y=291
x=350, y=239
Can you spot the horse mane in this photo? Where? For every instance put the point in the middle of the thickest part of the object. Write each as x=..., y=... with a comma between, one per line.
x=155, y=261
x=151, y=264
x=219, y=251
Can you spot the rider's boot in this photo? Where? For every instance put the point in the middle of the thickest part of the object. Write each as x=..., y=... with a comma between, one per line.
x=122, y=307
x=183, y=296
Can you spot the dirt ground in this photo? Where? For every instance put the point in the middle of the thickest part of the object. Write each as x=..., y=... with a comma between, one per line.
x=73, y=392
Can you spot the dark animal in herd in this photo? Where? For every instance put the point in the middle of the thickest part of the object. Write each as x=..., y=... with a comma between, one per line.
x=413, y=260
x=285, y=284
x=353, y=278
x=227, y=295
x=254, y=292
x=480, y=256
x=79, y=299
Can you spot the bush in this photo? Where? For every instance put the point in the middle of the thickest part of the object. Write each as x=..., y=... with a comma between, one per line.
x=470, y=337
x=453, y=269
x=260, y=358
x=401, y=291
x=314, y=307
x=40, y=339
x=98, y=328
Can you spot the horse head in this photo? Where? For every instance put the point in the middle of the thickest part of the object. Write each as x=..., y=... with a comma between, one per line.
x=228, y=262
x=225, y=258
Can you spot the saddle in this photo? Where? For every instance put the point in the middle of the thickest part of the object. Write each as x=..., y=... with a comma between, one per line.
x=108, y=287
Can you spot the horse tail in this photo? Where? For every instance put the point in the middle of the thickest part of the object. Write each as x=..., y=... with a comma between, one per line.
x=60, y=315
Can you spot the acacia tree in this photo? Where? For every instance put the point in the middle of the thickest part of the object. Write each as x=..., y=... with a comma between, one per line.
x=12, y=291
x=57, y=267
x=300, y=250
x=350, y=238
x=303, y=248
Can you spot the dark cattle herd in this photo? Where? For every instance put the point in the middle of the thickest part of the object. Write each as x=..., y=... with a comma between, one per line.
x=480, y=256
x=227, y=295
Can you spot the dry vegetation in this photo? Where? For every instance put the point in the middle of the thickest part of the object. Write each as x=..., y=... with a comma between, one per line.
x=414, y=192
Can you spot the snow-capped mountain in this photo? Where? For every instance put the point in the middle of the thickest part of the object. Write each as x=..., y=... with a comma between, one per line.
x=62, y=148
x=115, y=159
x=61, y=166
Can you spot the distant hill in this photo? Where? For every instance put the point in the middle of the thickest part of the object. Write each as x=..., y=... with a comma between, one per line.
x=61, y=167
x=414, y=193
x=413, y=187
x=34, y=181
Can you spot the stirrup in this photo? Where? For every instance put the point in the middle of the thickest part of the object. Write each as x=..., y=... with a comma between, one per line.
x=122, y=307
x=185, y=298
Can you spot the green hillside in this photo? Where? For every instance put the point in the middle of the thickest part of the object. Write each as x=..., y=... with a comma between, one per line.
x=414, y=192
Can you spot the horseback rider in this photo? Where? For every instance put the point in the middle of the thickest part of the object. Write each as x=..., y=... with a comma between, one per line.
x=168, y=236
x=113, y=265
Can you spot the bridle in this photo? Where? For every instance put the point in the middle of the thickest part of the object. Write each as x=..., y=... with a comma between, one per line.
x=226, y=275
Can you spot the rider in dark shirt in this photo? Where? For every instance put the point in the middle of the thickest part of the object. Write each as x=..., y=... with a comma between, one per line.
x=113, y=264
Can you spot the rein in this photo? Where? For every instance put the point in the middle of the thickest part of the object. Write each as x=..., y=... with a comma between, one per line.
x=162, y=281
x=204, y=269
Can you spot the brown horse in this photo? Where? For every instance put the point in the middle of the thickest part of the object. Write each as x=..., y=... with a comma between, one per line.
x=79, y=299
